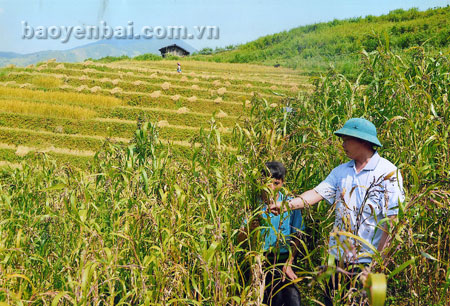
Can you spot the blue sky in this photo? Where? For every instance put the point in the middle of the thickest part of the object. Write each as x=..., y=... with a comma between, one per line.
x=239, y=21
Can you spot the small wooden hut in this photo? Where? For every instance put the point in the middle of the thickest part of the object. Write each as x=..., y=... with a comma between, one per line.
x=173, y=50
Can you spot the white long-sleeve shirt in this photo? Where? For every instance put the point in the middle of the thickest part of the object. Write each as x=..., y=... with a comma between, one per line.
x=362, y=200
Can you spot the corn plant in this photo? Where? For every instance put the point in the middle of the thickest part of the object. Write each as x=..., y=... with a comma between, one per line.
x=145, y=225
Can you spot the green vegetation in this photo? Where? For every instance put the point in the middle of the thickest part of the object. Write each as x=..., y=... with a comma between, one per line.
x=110, y=59
x=152, y=217
x=407, y=99
x=208, y=51
x=148, y=57
x=313, y=48
x=142, y=226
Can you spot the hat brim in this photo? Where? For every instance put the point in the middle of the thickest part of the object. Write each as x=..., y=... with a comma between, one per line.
x=358, y=134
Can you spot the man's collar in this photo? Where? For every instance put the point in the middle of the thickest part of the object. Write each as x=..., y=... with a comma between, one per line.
x=371, y=165
x=373, y=162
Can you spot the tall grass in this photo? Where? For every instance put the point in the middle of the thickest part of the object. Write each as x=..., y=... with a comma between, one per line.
x=407, y=101
x=145, y=227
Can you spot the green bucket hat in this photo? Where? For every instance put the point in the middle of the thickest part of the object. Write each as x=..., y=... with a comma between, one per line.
x=360, y=128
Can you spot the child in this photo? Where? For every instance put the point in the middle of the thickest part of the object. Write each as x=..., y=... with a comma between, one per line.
x=178, y=68
x=281, y=235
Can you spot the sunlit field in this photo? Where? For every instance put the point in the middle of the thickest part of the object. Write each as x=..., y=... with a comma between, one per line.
x=126, y=183
x=49, y=104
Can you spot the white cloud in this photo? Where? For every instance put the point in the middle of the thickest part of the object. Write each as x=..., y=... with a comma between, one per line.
x=2, y=10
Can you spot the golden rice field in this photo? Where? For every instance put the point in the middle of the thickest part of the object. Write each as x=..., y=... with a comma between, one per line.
x=68, y=110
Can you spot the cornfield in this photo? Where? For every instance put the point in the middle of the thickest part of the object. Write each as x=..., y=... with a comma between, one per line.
x=146, y=227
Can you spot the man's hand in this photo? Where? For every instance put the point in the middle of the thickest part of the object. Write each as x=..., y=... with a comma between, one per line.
x=306, y=199
x=287, y=271
x=275, y=207
x=278, y=207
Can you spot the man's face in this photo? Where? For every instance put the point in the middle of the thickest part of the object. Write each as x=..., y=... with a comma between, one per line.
x=274, y=185
x=352, y=146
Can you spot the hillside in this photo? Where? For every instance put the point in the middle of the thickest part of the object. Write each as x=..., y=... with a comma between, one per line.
x=69, y=109
x=313, y=47
x=95, y=50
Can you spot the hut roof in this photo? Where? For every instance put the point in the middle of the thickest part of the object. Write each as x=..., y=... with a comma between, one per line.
x=164, y=49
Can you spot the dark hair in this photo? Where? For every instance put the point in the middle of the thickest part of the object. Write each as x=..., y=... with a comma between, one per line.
x=277, y=170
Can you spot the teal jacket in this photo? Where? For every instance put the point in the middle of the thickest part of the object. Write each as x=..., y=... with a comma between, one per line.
x=280, y=228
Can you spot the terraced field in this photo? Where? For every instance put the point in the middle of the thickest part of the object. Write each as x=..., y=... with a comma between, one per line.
x=68, y=110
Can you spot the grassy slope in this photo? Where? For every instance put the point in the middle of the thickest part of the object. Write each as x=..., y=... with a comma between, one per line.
x=312, y=48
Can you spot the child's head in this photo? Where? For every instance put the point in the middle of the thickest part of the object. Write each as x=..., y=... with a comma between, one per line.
x=277, y=173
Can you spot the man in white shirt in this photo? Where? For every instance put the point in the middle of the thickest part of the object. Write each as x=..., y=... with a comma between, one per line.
x=365, y=191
